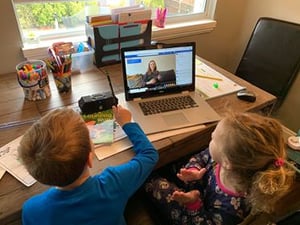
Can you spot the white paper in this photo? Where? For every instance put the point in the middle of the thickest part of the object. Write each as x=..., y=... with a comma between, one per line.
x=216, y=84
x=2, y=172
x=116, y=11
x=9, y=160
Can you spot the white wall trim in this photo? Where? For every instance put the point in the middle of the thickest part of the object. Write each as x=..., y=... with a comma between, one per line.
x=184, y=29
x=171, y=31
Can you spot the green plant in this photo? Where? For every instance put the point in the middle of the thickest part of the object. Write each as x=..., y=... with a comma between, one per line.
x=37, y=15
x=154, y=3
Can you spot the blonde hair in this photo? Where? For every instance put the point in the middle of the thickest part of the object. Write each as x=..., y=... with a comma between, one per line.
x=254, y=143
x=55, y=149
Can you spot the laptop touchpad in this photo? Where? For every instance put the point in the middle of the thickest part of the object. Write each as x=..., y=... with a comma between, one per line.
x=175, y=119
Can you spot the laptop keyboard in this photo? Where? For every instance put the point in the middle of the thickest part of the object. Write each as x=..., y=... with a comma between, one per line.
x=168, y=104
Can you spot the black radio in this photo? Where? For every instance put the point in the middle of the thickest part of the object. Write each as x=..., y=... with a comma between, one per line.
x=97, y=102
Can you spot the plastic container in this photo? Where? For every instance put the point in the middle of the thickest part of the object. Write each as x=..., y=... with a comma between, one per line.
x=83, y=61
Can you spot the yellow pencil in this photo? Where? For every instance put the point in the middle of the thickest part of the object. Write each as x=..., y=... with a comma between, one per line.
x=208, y=77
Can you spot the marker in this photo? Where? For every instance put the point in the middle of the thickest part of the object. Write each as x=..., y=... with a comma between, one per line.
x=209, y=77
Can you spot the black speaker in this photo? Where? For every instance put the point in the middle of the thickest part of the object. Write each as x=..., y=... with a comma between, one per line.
x=97, y=102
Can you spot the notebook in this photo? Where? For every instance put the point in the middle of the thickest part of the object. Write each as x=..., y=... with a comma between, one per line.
x=175, y=77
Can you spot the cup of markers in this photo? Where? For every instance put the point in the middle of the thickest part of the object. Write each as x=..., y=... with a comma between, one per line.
x=33, y=78
x=60, y=67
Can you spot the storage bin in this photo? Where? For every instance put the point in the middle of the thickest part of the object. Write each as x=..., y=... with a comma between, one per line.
x=107, y=40
x=83, y=61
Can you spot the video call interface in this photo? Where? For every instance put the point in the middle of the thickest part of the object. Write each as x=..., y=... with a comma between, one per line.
x=177, y=59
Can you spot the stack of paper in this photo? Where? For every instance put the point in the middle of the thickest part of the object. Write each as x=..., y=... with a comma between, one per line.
x=99, y=20
x=130, y=14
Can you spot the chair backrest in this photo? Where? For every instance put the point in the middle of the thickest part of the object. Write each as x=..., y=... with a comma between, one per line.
x=272, y=57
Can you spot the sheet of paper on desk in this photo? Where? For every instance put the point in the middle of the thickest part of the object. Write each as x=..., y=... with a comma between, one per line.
x=123, y=144
x=2, y=172
x=210, y=83
x=10, y=162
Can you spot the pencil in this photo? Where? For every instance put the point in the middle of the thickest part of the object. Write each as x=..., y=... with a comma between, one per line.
x=209, y=77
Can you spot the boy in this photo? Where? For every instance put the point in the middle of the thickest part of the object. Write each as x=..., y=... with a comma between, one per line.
x=57, y=151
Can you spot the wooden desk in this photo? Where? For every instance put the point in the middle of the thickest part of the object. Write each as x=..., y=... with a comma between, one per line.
x=15, y=109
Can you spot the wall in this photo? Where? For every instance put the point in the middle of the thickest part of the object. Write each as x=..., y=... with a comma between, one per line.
x=10, y=41
x=230, y=56
x=289, y=112
x=224, y=46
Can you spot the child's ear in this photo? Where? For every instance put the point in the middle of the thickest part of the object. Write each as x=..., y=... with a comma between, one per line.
x=226, y=164
x=90, y=159
x=91, y=155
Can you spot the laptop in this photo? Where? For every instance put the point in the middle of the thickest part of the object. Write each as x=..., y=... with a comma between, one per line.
x=173, y=80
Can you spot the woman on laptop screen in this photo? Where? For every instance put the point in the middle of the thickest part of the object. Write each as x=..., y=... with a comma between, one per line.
x=152, y=76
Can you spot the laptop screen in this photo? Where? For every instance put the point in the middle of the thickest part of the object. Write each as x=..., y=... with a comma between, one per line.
x=150, y=71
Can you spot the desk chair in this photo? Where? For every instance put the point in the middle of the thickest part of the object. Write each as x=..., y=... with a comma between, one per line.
x=287, y=211
x=271, y=59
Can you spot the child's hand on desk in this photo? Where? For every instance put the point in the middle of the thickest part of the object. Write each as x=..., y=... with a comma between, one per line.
x=122, y=115
x=190, y=174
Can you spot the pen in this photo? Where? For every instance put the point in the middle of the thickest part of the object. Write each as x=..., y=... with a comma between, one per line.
x=208, y=77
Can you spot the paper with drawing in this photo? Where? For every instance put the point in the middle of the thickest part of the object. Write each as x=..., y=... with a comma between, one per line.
x=9, y=160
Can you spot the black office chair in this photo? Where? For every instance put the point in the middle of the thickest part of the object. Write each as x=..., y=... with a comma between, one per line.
x=271, y=60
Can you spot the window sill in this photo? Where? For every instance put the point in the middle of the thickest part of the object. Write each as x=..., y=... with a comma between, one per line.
x=170, y=31
x=180, y=30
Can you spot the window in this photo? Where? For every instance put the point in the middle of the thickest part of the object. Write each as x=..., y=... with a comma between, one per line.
x=43, y=22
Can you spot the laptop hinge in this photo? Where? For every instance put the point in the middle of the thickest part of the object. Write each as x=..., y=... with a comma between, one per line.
x=137, y=99
x=185, y=92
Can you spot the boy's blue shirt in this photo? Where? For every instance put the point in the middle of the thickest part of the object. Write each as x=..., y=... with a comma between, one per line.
x=101, y=199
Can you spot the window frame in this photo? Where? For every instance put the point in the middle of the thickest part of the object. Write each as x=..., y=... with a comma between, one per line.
x=176, y=27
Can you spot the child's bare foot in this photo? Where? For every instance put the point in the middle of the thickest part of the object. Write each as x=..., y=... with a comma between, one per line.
x=186, y=197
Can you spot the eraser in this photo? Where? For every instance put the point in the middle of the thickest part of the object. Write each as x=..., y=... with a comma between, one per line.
x=215, y=85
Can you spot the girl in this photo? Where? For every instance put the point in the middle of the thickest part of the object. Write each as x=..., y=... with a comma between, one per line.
x=245, y=166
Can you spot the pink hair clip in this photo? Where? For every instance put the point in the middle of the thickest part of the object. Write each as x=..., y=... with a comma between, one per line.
x=279, y=162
